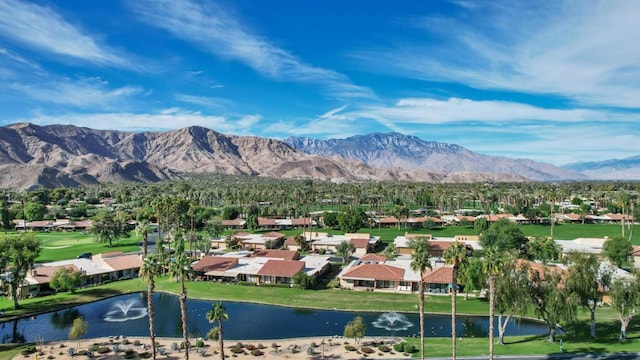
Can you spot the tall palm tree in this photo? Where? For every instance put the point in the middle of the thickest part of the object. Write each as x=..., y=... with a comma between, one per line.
x=218, y=313
x=492, y=267
x=455, y=255
x=419, y=263
x=149, y=270
x=180, y=269
x=143, y=228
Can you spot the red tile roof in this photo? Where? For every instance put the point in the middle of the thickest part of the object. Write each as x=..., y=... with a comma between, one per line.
x=125, y=262
x=440, y=275
x=266, y=221
x=277, y=254
x=389, y=220
x=375, y=272
x=283, y=268
x=43, y=274
x=301, y=221
x=373, y=257
x=214, y=263
x=274, y=234
x=360, y=243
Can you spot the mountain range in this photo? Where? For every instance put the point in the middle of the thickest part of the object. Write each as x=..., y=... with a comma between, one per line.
x=613, y=169
x=65, y=155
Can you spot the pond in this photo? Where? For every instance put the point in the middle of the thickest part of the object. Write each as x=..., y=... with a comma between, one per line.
x=127, y=315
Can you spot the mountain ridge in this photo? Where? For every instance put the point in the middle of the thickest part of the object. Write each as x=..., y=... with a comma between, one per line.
x=394, y=150
x=611, y=169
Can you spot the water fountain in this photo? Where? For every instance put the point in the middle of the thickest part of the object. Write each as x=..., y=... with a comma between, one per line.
x=392, y=321
x=129, y=309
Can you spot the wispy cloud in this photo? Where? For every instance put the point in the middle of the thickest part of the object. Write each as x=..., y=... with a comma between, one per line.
x=585, y=50
x=80, y=93
x=165, y=119
x=215, y=30
x=43, y=29
x=206, y=101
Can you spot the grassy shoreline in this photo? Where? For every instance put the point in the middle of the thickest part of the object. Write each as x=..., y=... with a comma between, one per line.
x=577, y=341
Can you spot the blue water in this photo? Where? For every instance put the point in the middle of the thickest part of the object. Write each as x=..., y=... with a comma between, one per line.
x=246, y=321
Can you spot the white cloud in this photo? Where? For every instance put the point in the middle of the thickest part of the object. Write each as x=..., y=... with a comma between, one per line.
x=207, y=101
x=584, y=50
x=162, y=120
x=216, y=31
x=43, y=29
x=81, y=93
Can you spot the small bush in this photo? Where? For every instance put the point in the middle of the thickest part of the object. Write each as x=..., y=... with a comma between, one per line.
x=260, y=346
x=174, y=346
x=237, y=348
x=28, y=350
x=350, y=347
x=182, y=345
x=145, y=355
x=51, y=357
x=250, y=347
x=71, y=351
x=93, y=347
x=256, y=352
x=62, y=345
x=203, y=352
x=199, y=343
x=125, y=342
x=130, y=354
x=103, y=350
x=367, y=350
x=408, y=348
x=384, y=348
x=398, y=347
x=136, y=342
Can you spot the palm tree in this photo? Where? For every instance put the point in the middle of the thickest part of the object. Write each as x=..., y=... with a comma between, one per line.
x=180, y=269
x=419, y=263
x=218, y=313
x=149, y=270
x=143, y=228
x=455, y=255
x=492, y=267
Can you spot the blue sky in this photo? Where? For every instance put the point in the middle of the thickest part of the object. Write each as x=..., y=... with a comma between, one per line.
x=553, y=81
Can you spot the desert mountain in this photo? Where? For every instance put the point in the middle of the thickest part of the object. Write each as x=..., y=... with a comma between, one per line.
x=613, y=169
x=66, y=155
x=393, y=150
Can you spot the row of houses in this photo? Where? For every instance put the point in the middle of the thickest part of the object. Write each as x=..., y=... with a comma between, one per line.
x=96, y=270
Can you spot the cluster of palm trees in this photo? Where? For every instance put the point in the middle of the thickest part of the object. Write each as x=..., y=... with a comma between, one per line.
x=179, y=269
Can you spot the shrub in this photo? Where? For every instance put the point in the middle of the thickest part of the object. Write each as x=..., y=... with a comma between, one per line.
x=103, y=350
x=408, y=348
x=125, y=342
x=203, y=352
x=367, y=350
x=174, y=346
x=62, y=345
x=199, y=343
x=51, y=357
x=350, y=347
x=250, y=347
x=145, y=355
x=93, y=347
x=398, y=347
x=71, y=351
x=237, y=348
x=136, y=342
x=260, y=346
x=384, y=348
x=256, y=352
x=28, y=350
x=182, y=345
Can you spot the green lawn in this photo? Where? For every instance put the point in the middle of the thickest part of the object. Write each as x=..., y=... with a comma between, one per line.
x=68, y=245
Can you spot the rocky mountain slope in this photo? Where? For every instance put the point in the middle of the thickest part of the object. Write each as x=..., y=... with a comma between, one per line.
x=393, y=150
x=613, y=169
x=65, y=155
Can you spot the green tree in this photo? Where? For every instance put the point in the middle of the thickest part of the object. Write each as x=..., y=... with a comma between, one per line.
x=34, y=211
x=330, y=219
x=543, y=248
x=78, y=330
x=617, y=250
x=150, y=269
x=180, y=270
x=350, y=221
x=625, y=298
x=345, y=249
x=19, y=253
x=420, y=263
x=492, y=266
x=144, y=228
x=511, y=294
x=586, y=278
x=218, y=313
x=504, y=235
x=355, y=329
x=455, y=255
x=108, y=227
x=480, y=225
x=473, y=276
x=213, y=227
x=302, y=243
x=302, y=279
x=552, y=303
x=6, y=216
x=65, y=279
